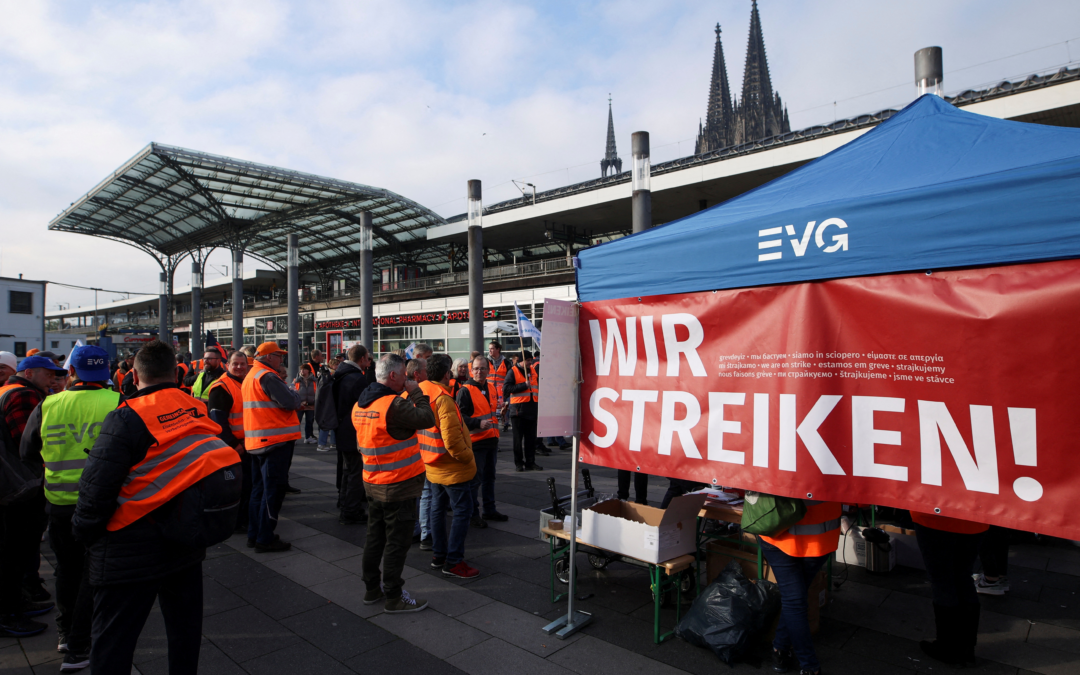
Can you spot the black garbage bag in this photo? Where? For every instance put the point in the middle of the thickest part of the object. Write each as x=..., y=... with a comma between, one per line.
x=729, y=616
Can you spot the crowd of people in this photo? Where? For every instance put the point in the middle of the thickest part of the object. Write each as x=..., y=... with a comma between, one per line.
x=98, y=456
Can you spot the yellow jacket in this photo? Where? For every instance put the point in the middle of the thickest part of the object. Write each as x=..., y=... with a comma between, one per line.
x=457, y=465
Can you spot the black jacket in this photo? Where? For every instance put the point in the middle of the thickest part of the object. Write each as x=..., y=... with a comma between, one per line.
x=137, y=552
x=528, y=410
x=348, y=383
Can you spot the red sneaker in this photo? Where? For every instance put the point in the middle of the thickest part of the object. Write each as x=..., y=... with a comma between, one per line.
x=461, y=570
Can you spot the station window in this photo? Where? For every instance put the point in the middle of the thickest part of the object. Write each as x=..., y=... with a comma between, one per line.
x=20, y=302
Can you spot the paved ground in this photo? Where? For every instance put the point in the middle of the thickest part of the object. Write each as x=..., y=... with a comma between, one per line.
x=301, y=612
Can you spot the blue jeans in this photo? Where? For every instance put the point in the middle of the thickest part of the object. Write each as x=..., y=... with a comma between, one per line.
x=309, y=427
x=327, y=435
x=425, y=511
x=459, y=498
x=793, y=576
x=486, y=456
x=269, y=476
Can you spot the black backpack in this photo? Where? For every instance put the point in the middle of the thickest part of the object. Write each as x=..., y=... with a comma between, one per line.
x=205, y=513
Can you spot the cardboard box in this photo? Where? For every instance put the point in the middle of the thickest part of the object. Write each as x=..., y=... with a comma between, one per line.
x=718, y=554
x=643, y=532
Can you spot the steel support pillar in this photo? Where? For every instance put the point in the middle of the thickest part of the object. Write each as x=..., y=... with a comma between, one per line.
x=163, y=308
x=238, y=299
x=293, y=261
x=195, y=344
x=367, y=310
x=476, y=268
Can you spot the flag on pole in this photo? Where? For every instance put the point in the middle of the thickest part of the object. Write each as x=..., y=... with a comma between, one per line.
x=409, y=350
x=526, y=327
x=67, y=361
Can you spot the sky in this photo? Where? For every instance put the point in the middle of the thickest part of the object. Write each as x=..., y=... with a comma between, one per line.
x=418, y=97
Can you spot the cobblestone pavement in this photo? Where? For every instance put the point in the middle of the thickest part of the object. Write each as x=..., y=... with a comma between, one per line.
x=301, y=612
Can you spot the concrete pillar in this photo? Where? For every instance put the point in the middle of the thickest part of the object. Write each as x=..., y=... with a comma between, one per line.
x=476, y=268
x=367, y=311
x=929, y=72
x=195, y=344
x=641, y=200
x=293, y=263
x=238, y=299
x=163, y=308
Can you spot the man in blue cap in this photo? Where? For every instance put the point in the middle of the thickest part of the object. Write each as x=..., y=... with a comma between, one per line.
x=71, y=421
x=24, y=391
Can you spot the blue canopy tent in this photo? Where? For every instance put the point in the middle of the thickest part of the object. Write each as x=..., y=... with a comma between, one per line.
x=933, y=187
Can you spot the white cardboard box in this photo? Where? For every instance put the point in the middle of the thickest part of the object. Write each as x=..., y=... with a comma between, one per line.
x=643, y=532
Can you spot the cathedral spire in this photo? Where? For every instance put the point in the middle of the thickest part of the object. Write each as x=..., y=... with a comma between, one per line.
x=611, y=157
x=762, y=116
x=719, y=121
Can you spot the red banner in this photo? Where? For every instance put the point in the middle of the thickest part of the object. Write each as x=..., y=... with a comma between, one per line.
x=952, y=392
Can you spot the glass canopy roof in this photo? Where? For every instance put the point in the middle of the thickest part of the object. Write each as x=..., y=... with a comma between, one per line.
x=169, y=202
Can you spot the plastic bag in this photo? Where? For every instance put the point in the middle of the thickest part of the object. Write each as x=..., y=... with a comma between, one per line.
x=729, y=616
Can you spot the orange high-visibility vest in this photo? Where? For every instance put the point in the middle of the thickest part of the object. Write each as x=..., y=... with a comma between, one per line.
x=483, y=404
x=432, y=445
x=496, y=377
x=947, y=524
x=236, y=412
x=8, y=387
x=182, y=370
x=817, y=534
x=532, y=393
x=266, y=423
x=386, y=459
x=186, y=449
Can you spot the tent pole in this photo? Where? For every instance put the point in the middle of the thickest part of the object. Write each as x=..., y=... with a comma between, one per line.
x=565, y=626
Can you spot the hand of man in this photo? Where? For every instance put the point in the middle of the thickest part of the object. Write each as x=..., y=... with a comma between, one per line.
x=485, y=424
x=411, y=386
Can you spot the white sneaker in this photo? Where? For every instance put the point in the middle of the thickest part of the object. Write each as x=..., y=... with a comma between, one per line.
x=311, y=440
x=322, y=448
x=987, y=587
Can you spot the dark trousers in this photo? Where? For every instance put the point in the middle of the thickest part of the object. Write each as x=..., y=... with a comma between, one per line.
x=486, y=454
x=351, y=494
x=949, y=559
x=31, y=572
x=794, y=576
x=389, y=536
x=269, y=476
x=120, y=612
x=20, y=538
x=524, y=441
x=677, y=488
x=309, y=427
x=641, y=486
x=994, y=551
x=242, y=512
x=74, y=595
x=458, y=498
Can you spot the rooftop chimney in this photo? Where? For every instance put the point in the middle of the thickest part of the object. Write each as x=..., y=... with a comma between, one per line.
x=928, y=72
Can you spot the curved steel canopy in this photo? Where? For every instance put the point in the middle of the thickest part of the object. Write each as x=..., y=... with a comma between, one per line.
x=172, y=202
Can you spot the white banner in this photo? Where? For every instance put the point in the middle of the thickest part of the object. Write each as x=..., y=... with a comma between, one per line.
x=559, y=370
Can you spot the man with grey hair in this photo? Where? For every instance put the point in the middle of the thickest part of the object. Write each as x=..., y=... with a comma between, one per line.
x=386, y=426
x=422, y=351
x=416, y=369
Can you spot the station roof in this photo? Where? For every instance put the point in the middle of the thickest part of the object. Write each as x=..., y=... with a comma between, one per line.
x=170, y=202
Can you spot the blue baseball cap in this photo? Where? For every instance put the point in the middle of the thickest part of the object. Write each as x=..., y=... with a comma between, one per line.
x=91, y=363
x=38, y=362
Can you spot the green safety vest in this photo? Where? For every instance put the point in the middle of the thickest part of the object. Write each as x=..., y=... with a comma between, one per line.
x=199, y=389
x=70, y=421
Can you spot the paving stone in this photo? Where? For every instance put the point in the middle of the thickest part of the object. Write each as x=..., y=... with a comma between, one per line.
x=839, y=662
x=236, y=570
x=433, y=632
x=591, y=656
x=290, y=530
x=1071, y=567
x=217, y=598
x=246, y=633
x=517, y=627
x=1054, y=637
x=506, y=589
x=306, y=569
x=302, y=659
x=279, y=597
x=41, y=648
x=348, y=593
x=328, y=548
x=400, y=656
x=212, y=661
x=13, y=661
x=518, y=566
x=338, y=632
x=495, y=657
x=1036, y=658
x=445, y=595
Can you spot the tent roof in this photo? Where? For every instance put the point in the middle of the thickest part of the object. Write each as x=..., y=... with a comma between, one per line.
x=169, y=201
x=930, y=188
